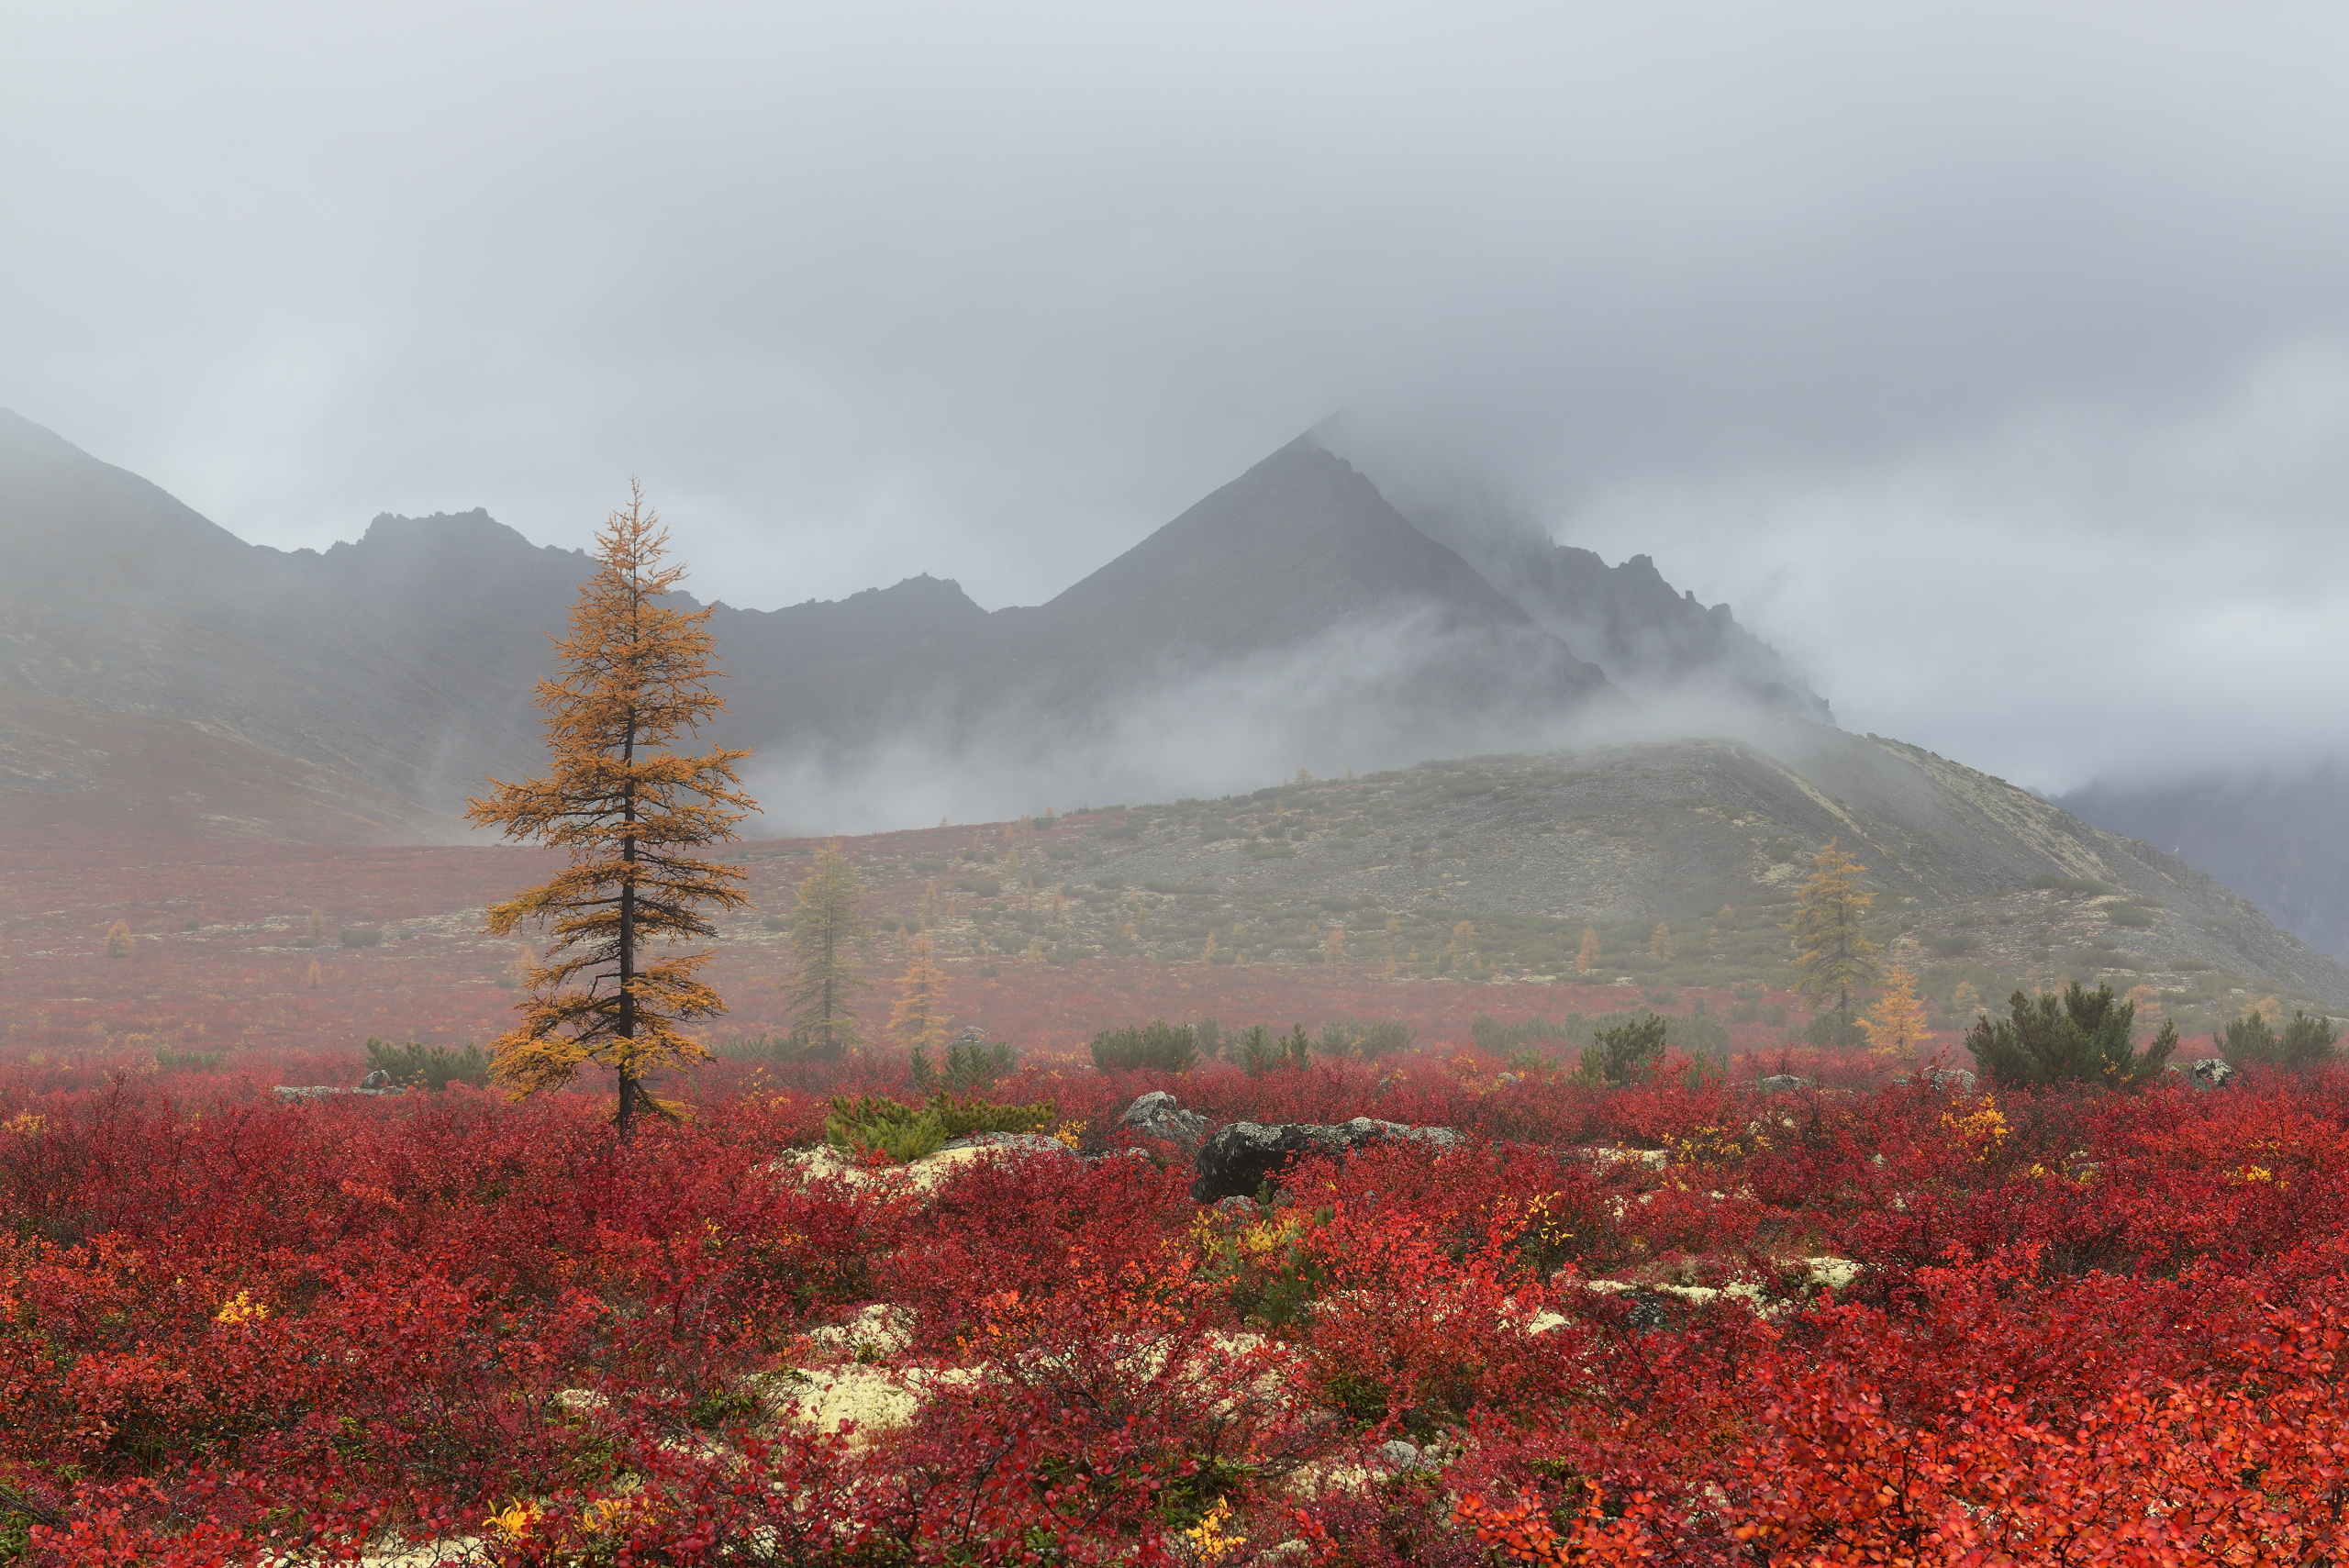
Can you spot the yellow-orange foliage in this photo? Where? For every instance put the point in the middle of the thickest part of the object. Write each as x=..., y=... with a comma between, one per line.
x=1660, y=943
x=918, y=1018
x=635, y=675
x=1588, y=958
x=1832, y=952
x=1333, y=951
x=1897, y=1023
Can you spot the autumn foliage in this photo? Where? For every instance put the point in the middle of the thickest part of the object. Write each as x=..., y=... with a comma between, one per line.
x=632, y=814
x=1671, y=1322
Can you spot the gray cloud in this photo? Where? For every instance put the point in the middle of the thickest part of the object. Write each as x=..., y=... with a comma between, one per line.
x=1994, y=361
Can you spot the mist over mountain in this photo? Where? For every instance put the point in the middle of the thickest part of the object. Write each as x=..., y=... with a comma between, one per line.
x=158, y=676
x=1658, y=644
x=1291, y=619
x=2281, y=839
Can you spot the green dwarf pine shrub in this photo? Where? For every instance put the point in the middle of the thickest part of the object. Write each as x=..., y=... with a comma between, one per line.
x=415, y=1066
x=2307, y=1042
x=2082, y=1037
x=905, y=1133
x=969, y=1066
x=1159, y=1046
x=1624, y=1054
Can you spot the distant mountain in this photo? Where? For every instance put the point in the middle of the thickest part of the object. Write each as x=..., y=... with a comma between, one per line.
x=1293, y=618
x=2281, y=841
x=1292, y=603
x=404, y=662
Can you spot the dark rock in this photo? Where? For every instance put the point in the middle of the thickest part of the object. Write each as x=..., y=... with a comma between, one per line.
x=1237, y=1159
x=2209, y=1073
x=378, y=1079
x=1160, y=1115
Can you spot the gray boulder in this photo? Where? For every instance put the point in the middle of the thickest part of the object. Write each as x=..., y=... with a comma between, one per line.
x=378, y=1079
x=1781, y=1084
x=1237, y=1160
x=1160, y=1115
x=1956, y=1078
x=2209, y=1073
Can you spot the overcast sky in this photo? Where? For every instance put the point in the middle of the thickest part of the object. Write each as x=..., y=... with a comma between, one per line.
x=1994, y=361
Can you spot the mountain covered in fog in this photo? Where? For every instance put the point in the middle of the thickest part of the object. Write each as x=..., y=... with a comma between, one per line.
x=1291, y=619
x=1653, y=641
x=2280, y=839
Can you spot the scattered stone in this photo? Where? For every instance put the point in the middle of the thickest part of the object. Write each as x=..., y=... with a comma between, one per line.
x=1399, y=1455
x=1956, y=1078
x=1160, y=1115
x=925, y=1175
x=1603, y=1156
x=1506, y=1078
x=1237, y=1207
x=322, y=1091
x=1781, y=1084
x=2209, y=1073
x=1011, y=1142
x=1237, y=1159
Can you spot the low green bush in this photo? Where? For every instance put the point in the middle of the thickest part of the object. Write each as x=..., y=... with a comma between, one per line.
x=2306, y=1041
x=1263, y=1052
x=362, y=936
x=907, y=1132
x=1351, y=1037
x=1626, y=1053
x=1157, y=1046
x=969, y=1066
x=417, y=1066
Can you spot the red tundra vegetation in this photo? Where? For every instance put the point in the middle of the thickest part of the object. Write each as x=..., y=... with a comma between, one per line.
x=1680, y=1322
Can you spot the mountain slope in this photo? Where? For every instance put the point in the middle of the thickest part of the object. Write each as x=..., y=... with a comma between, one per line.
x=1991, y=884
x=2279, y=839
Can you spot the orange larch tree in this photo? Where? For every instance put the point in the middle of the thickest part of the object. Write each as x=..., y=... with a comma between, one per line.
x=635, y=675
x=917, y=1022
x=1895, y=1024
